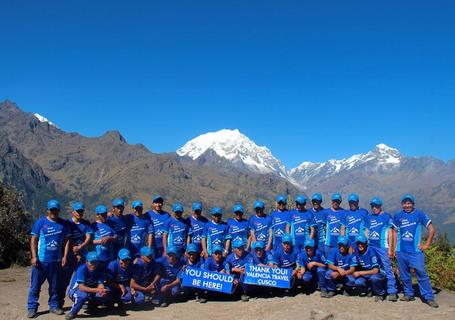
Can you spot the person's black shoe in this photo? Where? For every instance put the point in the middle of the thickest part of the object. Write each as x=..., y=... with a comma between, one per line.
x=202, y=300
x=58, y=311
x=407, y=298
x=432, y=303
x=32, y=314
x=393, y=297
x=164, y=304
x=330, y=294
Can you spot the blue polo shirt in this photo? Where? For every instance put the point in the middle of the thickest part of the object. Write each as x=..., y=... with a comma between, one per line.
x=86, y=277
x=177, y=231
x=238, y=229
x=143, y=273
x=367, y=260
x=260, y=227
x=319, y=219
x=285, y=260
x=140, y=228
x=101, y=230
x=119, y=275
x=216, y=234
x=120, y=225
x=355, y=223
x=266, y=258
x=238, y=262
x=196, y=230
x=343, y=261
x=78, y=232
x=334, y=220
x=211, y=265
x=300, y=224
x=409, y=227
x=279, y=221
x=158, y=220
x=303, y=259
x=378, y=226
x=51, y=237
x=168, y=271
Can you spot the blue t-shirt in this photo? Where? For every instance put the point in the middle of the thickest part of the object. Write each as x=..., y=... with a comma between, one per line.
x=238, y=229
x=355, y=223
x=187, y=262
x=285, y=260
x=51, y=237
x=279, y=221
x=101, y=230
x=118, y=274
x=232, y=261
x=143, y=273
x=319, y=219
x=409, y=227
x=303, y=258
x=377, y=226
x=333, y=220
x=140, y=228
x=177, y=232
x=120, y=225
x=158, y=220
x=86, y=277
x=196, y=230
x=343, y=261
x=366, y=261
x=78, y=232
x=216, y=234
x=261, y=227
x=211, y=265
x=168, y=271
x=300, y=223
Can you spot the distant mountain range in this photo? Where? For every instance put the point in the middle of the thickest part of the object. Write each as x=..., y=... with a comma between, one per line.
x=219, y=168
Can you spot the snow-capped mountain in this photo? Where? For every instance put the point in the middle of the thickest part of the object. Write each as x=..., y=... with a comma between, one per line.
x=43, y=119
x=235, y=147
x=381, y=157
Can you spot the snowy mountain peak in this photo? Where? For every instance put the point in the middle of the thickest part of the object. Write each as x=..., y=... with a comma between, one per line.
x=43, y=119
x=236, y=147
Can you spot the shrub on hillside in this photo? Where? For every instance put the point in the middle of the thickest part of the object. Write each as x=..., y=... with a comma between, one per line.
x=14, y=229
x=440, y=263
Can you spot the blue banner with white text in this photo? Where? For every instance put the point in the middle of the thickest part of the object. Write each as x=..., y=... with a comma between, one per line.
x=208, y=280
x=268, y=276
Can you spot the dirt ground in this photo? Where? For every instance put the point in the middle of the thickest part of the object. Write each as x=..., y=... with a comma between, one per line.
x=14, y=284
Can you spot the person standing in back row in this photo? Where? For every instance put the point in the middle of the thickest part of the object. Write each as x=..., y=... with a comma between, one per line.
x=409, y=249
x=158, y=217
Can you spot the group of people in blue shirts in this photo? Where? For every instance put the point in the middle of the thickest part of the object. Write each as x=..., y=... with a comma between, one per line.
x=139, y=258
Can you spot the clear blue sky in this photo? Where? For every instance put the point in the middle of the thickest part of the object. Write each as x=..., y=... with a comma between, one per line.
x=312, y=80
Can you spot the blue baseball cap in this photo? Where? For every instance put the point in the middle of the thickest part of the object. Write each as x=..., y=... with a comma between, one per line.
x=118, y=202
x=337, y=197
x=217, y=210
x=376, y=201
x=361, y=238
x=157, y=198
x=101, y=209
x=316, y=197
x=171, y=250
x=281, y=198
x=237, y=208
x=343, y=240
x=353, y=197
x=137, y=203
x=217, y=248
x=177, y=207
x=196, y=206
x=124, y=254
x=258, y=204
x=258, y=244
x=238, y=243
x=192, y=248
x=77, y=205
x=92, y=256
x=286, y=238
x=409, y=197
x=300, y=199
x=309, y=243
x=53, y=204
x=147, y=251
